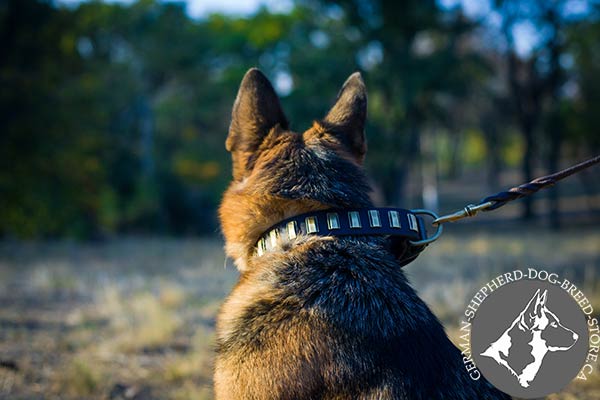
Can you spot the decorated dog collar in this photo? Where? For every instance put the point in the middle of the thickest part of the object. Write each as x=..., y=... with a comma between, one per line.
x=387, y=222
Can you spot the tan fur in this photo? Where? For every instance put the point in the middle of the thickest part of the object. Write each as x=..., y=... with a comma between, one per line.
x=318, y=135
x=247, y=210
x=287, y=349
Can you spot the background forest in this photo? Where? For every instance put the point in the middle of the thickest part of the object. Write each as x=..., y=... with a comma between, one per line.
x=113, y=119
x=113, y=116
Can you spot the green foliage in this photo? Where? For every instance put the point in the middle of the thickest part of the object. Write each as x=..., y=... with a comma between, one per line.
x=113, y=116
x=51, y=163
x=581, y=113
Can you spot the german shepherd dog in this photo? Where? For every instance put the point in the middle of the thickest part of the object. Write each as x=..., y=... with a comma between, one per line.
x=536, y=330
x=319, y=317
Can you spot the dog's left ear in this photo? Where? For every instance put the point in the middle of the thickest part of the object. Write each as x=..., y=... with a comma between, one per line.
x=255, y=112
x=346, y=119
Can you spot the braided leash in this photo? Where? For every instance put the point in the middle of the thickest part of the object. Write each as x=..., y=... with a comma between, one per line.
x=497, y=200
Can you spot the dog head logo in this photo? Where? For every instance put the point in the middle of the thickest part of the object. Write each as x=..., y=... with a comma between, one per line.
x=541, y=330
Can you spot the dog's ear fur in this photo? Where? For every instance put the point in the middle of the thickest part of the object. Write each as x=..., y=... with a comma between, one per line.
x=255, y=112
x=346, y=119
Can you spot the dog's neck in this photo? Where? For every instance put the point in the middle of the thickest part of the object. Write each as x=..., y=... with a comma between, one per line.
x=391, y=222
x=245, y=217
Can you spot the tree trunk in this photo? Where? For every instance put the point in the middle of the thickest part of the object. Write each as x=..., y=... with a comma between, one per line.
x=410, y=156
x=494, y=163
x=553, y=166
x=429, y=173
x=555, y=126
x=527, y=168
x=146, y=137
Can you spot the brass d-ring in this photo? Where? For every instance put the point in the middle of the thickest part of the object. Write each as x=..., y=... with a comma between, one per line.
x=435, y=236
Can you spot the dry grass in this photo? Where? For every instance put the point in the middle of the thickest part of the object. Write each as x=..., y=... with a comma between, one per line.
x=123, y=319
x=79, y=378
x=139, y=322
x=134, y=318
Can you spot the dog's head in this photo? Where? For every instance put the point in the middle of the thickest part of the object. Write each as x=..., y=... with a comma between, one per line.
x=537, y=317
x=278, y=173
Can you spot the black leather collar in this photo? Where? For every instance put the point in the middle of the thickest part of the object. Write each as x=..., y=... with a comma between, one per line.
x=396, y=223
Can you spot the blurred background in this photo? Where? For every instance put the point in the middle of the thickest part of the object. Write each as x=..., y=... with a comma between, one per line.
x=113, y=117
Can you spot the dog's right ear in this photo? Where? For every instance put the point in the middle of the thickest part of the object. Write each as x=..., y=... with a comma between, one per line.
x=346, y=119
x=530, y=311
x=255, y=112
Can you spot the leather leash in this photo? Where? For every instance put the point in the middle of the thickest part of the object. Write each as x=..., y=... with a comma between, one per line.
x=498, y=200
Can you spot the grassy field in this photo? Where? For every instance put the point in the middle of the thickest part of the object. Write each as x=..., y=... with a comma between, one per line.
x=134, y=318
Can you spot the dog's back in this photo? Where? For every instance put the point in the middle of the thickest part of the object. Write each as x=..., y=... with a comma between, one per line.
x=319, y=317
x=338, y=320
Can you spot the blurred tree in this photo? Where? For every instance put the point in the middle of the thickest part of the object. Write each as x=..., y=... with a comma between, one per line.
x=536, y=80
x=418, y=62
x=581, y=93
x=51, y=173
x=582, y=89
x=113, y=116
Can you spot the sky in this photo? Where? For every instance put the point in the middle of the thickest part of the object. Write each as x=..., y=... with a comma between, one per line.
x=201, y=8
